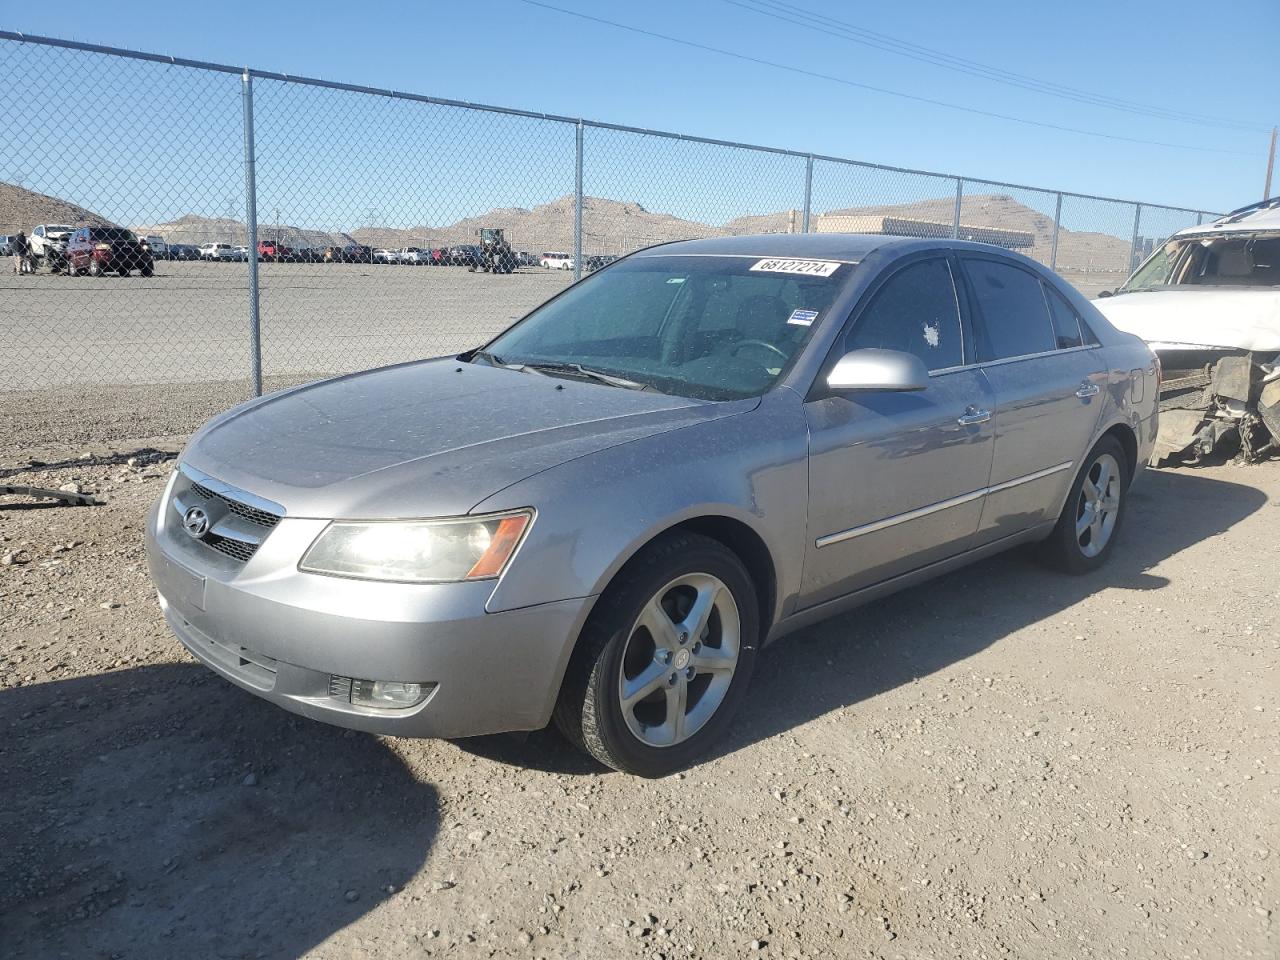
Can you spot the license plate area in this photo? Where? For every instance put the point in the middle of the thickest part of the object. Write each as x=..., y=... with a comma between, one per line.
x=186, y=589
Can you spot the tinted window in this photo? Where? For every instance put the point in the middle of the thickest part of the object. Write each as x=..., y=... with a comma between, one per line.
x=916, y=312
x=1014, y=317
x=1066, y=324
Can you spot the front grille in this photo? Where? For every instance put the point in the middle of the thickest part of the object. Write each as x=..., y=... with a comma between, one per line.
x=239, y=521
x=238, y=549
x=254, y=515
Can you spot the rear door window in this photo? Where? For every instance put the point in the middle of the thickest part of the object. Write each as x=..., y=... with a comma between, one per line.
x=916, y=311
x=1066, y=322
x=1013, y=316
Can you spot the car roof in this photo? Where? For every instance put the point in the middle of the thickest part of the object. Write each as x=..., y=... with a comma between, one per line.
x=830, y=246
x=1264, y=215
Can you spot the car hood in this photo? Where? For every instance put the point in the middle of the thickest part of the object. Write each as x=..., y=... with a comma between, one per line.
x=431, y=438
x=1225, y=318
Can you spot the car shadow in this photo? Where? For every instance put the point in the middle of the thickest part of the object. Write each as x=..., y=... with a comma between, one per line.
x=162, y=812
x=911, y=634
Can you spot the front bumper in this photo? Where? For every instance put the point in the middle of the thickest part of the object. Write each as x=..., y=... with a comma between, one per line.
x=284, y=635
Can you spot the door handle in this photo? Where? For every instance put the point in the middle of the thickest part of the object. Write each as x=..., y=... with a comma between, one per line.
x=1088, y=390
x=973, y=415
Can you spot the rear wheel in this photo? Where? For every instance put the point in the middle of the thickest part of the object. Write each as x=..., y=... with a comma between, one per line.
x=665, y=659
x=1086, y=530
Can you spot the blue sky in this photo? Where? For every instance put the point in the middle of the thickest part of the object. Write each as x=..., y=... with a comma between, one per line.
x=1174, y=55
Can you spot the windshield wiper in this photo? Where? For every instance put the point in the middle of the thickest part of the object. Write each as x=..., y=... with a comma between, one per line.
x=482, y=354
x=550, y=366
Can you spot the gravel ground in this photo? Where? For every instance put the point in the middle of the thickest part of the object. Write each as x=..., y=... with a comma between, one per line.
x=1003, y=763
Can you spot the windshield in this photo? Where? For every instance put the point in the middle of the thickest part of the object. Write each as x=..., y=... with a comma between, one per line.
x=709, y=327
x=1225, y=260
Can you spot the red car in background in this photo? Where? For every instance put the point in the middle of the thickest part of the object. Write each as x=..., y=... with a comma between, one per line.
x=100, y=250
x=273, y=250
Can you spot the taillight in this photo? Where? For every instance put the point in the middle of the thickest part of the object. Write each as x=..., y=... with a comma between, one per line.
x=1159, y=367
x=102, y=246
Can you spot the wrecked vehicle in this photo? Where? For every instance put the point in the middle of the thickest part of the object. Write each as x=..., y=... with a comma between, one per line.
x=1207, y=302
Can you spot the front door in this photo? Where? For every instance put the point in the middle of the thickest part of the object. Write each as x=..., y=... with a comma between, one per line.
x=896, y=480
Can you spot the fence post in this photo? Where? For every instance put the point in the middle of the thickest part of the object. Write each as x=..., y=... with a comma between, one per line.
x=808, y=193
x=577, y=205
x=1133, y=246
x=955, y=220
x=251, y=230
x=1057, y=225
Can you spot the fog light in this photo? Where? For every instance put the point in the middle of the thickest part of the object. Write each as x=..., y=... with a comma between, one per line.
x=387, y=693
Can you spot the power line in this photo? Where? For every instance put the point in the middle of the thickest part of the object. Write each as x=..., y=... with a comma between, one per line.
x=875, y=89
x=840, y=29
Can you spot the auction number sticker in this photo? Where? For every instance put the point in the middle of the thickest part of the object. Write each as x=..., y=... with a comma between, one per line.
x=811, y=268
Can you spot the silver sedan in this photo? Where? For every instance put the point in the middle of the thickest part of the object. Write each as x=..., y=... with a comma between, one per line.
x=603, y=514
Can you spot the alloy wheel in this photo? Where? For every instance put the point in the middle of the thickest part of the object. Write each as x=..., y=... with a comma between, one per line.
x=679, y=660
x=1099, y=505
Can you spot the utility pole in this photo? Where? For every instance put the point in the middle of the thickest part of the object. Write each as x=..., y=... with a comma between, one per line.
x=1271, y=163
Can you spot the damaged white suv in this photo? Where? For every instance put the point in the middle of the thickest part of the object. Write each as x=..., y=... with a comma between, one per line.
x=1208, y=303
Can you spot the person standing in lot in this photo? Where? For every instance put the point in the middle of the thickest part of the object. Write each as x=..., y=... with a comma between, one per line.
x=21, y=251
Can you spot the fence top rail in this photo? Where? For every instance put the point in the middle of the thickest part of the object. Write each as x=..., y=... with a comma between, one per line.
x=247, y=72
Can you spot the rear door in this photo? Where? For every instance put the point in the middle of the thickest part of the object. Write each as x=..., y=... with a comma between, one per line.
x=1047, y=376
x=896, y=480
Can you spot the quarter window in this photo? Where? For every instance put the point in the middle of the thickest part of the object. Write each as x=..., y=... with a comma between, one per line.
x=1066, y=323
x=916, y=312
x=1014, y=317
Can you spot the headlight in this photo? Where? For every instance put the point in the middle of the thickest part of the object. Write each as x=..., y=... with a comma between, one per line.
x=418, y=551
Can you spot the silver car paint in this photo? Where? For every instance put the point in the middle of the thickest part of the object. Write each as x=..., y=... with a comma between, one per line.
x=607, y=470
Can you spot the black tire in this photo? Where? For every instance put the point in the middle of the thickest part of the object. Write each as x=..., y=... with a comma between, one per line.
x=1064, y=550
x=589, y=711
x=148, y=270
x=95, y=268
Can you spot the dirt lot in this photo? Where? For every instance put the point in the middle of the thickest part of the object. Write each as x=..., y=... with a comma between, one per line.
x=1004, y=763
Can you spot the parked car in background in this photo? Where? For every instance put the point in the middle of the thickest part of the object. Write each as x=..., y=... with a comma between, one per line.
x=6, y=244
x=183, y=251
x=414, y=255
x=465, y=255
x=50, y=240
x=241, y=254
x=1208, y=303
x=385, y=255
x=273, y=251
x=557, y=261
x=609, y=538
x=101, y=250
x=357, y=253
x=593, y=263
x=217, y=251
x=439, y=256
x=526, y=259
x=159, y=247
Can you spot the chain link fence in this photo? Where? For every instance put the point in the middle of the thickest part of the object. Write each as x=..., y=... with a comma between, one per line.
x=299, y=228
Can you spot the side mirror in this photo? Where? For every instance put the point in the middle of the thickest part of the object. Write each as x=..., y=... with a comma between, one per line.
x=872, y=369
x=1105, y=293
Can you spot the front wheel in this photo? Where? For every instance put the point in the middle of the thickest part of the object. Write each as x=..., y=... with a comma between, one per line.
x=665, y=658
x=1085, y=533
x=95, y=268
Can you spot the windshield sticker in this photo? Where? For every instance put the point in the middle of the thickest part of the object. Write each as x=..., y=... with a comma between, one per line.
x=676, y=280
x=812, y=268
x=802, y=318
